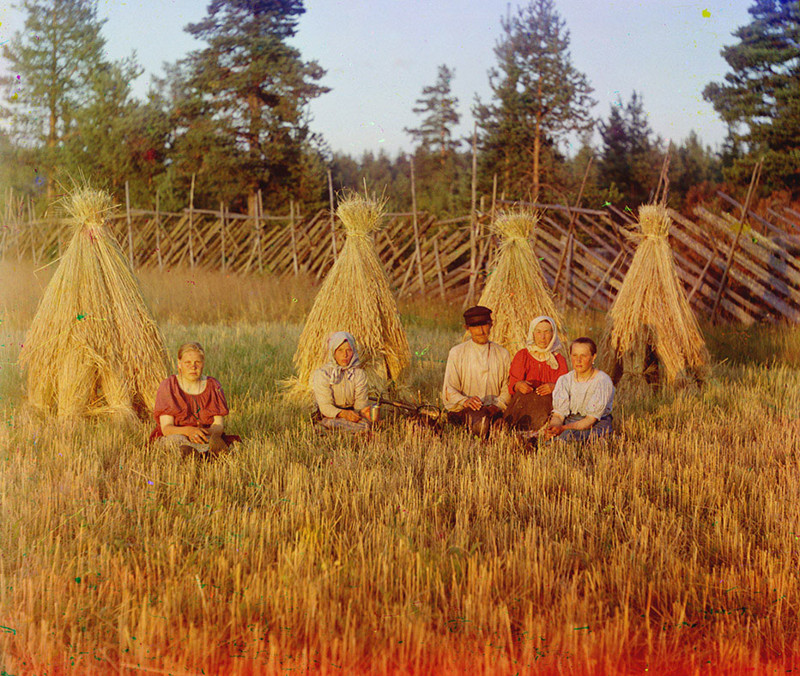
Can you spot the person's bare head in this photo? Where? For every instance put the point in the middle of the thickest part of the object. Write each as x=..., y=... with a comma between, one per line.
x=583, y=352
x=191, y=359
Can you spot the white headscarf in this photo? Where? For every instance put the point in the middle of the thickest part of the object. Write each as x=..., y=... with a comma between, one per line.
x=339, y=373
x=546, y=354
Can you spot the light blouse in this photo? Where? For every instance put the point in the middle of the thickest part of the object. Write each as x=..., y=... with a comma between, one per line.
x=573, y=400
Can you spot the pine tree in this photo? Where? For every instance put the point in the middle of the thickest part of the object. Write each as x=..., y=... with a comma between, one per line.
x=438, y=105
x=539, y=96
x=760, y=98
x=51, y=61
x=242, y=100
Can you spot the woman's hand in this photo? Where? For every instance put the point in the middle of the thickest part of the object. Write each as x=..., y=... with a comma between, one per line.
x=550, y=432
x=523, y=387
x=365, y=412
x=349, y=415
x=196, y=435
x=545, y=388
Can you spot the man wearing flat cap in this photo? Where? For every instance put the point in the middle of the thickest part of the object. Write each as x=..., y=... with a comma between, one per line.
x=475, y=391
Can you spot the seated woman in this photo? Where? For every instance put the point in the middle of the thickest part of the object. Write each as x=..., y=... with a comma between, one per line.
x=582, y=398
x=534, y=372
x=340, y=387
x=190, y=408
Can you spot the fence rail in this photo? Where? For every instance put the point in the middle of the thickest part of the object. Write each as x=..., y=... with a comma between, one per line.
x=583, y=252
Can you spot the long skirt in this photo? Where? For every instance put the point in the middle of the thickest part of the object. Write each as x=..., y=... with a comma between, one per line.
x=174, y=441
x=528, y=412
x=602, y=428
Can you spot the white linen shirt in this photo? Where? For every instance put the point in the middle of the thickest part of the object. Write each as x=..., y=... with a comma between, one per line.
x=476, y=371
x=573, y=400
x=349, y=392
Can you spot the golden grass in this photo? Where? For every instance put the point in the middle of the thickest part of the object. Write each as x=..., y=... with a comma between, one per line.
x=652, y=314
x=516, y=290
x=355, y=297
x=93, y=347
x=673, y=548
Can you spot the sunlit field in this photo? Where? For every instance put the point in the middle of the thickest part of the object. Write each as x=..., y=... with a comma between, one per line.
x=673, y=548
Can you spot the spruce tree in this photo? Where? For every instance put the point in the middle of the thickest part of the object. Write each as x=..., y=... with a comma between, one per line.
x=760, y=98
x=438, y=105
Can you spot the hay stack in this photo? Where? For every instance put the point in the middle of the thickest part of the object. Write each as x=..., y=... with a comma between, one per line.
x=355, y=297
x=93, y=347
x=516, y=291
x=651, y=334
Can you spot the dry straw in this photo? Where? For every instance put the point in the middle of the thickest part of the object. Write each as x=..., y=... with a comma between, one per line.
x=651, y=333
x=93, y=346
x=355, y=297
x=516, y=290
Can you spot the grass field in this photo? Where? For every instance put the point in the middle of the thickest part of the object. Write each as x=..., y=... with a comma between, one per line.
x=672, y=549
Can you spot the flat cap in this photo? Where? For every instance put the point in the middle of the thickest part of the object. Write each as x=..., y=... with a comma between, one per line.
x=477, y=315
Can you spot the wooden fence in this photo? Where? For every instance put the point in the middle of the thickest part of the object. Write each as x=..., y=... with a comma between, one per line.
x=744, y=276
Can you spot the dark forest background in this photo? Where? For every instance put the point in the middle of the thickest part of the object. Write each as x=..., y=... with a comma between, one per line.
x=234, y=113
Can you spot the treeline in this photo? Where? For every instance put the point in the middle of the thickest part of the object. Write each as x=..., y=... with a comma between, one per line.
x=234, y=113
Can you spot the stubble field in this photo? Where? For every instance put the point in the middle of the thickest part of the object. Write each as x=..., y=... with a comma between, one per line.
x=673, y=548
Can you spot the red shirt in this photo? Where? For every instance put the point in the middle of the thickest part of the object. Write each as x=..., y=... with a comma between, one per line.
x=189, y=410
x=525, y=367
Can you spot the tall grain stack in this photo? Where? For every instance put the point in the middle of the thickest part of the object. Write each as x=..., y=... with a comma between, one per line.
x=651, y=334
x=355, y=297
x=93, y=347
x=516, y=291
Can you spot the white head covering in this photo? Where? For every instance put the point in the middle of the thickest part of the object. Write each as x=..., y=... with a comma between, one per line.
x=546, y=354
x=338, y=373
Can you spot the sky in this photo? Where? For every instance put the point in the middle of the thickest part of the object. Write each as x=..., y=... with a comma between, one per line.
x=379, y=54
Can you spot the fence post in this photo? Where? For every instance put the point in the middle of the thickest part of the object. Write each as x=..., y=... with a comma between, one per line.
x=191, y=225
x=294, y=237
x=333, y=224
x=222, y=235
x=128, y=220
x=6, y=226
x=32, y=228
x=417, y=249
x=259, y=216
x=37, y=252
x=566, y=254
x=439, y=274
x=750, y=192
x=158, y=232
x=472, y=220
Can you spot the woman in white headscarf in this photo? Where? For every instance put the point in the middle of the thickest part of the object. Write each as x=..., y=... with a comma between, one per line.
x=340, y=386
x=533, y=374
